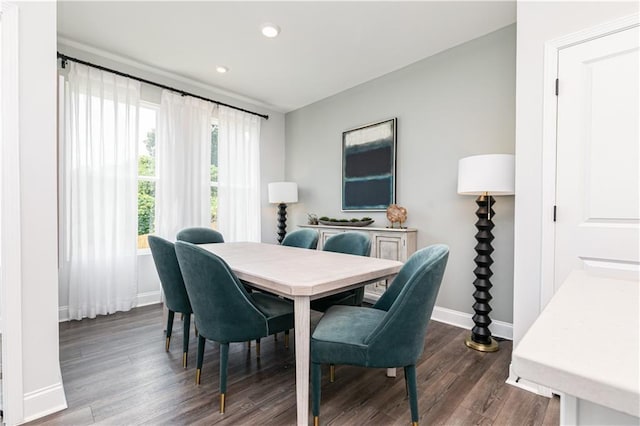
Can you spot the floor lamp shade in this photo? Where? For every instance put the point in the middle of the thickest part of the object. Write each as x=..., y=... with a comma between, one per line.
x=485, y=176
x=481, y=174
x=282, y=193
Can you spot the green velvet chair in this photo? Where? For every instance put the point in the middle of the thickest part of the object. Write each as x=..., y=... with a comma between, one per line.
x=175, y=294
x=200, y=235
x=357, y=243
x=224, y=311
x=302, y=238
x=390, y=334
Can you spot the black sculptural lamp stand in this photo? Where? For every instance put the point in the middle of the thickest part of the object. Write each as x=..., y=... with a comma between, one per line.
x=282, y=222
x=281, y=193
x=480, y=338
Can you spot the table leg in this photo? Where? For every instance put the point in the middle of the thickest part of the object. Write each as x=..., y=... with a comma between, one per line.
x=303, y=336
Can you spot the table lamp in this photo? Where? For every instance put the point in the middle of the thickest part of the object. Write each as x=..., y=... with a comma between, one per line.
x=282, y=193
x=485, y=176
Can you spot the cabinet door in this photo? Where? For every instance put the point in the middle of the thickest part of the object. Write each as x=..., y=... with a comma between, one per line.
x=389, y=247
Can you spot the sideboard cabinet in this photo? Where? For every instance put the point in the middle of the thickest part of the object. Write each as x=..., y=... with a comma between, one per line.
x=386, y=243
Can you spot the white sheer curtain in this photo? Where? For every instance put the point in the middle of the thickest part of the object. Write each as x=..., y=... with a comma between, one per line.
x=238, y=175
x=98, y=206
x=183, y=143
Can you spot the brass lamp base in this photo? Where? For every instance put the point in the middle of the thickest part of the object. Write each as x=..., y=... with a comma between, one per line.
x=482, y=347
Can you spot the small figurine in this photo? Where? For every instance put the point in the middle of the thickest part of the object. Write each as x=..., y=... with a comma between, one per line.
x=396, y=213
x=312, y=219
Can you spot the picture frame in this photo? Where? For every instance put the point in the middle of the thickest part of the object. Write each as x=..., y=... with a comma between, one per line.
x=369, y=166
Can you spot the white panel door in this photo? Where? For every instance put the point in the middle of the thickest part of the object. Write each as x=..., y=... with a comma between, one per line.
x=597, y=186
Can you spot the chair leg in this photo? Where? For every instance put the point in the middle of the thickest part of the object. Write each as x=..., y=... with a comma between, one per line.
x=286, y=339
x=257, y=348
x=224, y=357
x=412, y=385
x=316, y=376
x=186, y=325
x=170, y=316
x=200, y=358
x=332, y=373
x=275, y=337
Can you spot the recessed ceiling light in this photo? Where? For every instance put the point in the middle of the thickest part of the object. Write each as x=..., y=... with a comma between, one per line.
x=270, y=30
x=222, y=69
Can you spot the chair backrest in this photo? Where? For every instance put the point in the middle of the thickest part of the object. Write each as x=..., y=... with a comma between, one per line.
x=164, y=256
x=200, y=235
x=223, y=309
x=409, y=301
x=357, y=243
x=303, y=238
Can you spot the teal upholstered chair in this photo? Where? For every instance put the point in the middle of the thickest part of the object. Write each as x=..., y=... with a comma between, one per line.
x=175, y=294
x=390, y=334
x=200, y=235
x=302, y=238
x=357, y=243
x=224, y=311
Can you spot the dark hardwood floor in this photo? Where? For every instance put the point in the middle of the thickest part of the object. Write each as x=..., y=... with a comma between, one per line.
x=116, y=372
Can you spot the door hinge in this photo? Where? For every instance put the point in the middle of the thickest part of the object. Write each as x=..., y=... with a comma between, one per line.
x=554, y=213
x=557, y=86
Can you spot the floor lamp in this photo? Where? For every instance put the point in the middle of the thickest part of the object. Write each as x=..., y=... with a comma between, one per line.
x=485, y=176
x=282, y=193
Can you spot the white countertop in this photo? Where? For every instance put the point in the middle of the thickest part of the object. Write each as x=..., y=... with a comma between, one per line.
x=585, y=342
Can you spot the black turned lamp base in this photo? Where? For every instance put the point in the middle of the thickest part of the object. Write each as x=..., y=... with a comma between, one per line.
x=282, y=222
x=480, y=338
x=482, y=347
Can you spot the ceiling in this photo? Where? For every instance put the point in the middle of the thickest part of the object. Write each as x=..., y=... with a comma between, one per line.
x=323, y=48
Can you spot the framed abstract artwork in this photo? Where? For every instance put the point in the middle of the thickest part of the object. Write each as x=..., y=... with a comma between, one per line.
x=369, y=167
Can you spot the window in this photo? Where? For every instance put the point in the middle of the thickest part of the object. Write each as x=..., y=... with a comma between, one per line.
x=147, y=173
x=214, y=174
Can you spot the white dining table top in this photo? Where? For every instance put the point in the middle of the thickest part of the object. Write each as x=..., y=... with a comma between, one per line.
x=291, y=271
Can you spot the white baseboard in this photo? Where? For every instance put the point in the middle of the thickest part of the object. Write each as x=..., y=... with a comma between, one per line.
x=148, y=298
x=463, y=320
x=45, y=401
x=142, y=299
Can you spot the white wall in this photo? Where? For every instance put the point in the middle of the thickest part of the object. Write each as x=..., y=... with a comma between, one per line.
x=42, y=383
x=457, y=103
x=539, y=22
x=271, y=150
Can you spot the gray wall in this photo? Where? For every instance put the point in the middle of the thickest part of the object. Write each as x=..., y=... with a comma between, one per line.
x=457, y=103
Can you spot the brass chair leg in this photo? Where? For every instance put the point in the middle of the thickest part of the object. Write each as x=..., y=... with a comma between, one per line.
x=198, y=372
x=257, y=349
x=286, y=341
x=316, y=421
x=414, y=423
x=221, y=403
x=184, y=360
x=166, y=345
x=332, y=373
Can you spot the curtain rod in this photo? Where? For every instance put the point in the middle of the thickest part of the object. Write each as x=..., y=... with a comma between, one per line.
x=66, y=58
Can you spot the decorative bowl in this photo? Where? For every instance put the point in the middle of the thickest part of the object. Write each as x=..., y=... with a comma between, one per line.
x=359, y=223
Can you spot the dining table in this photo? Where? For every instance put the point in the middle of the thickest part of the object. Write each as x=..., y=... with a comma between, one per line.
x=301, y=275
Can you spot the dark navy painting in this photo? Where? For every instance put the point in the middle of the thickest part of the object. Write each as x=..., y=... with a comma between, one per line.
x=369, y=166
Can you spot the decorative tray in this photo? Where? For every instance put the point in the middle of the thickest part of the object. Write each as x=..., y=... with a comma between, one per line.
x=335, y=223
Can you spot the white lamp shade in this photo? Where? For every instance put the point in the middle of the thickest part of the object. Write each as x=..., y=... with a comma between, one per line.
x=493, y=174
x=283, y=192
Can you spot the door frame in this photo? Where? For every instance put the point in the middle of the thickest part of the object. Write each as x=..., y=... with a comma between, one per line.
x=11, y=279
x=552, y=50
